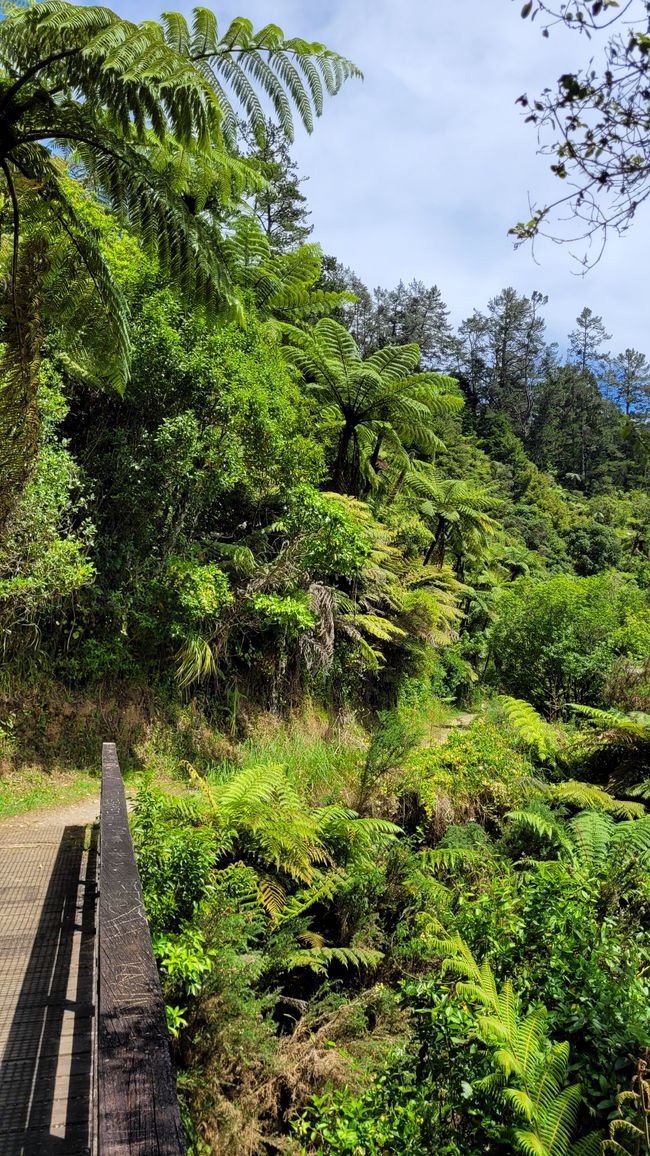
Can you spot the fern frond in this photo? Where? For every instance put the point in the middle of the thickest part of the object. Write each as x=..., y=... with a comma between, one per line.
x=591, y=1145
x=530, y=726
x=592, y=834
x=632, y=837
x=272, y=895
x=586, y=795
x=312, y=939
x=546, y=828
x=320, y=959
x=451, y=857
x=323, y=889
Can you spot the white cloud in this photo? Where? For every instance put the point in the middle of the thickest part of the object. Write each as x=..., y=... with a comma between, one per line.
x=421, y=170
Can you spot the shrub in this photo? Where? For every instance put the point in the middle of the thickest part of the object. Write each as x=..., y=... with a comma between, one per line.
x=477, y=773
x=556, y=641
x=592, y=547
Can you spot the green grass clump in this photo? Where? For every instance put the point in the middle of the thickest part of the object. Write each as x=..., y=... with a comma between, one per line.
x=28, y=790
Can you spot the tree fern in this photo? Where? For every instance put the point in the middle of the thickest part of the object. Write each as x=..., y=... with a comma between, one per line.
x=288, y=841
x=376, y=405
x=617, y=742
x=450, y=858
x=148, y=111
x=282, y=284
x=593, y=842
x=539, y=824
x=241, y=65
x=457, y=513
x=586, y=795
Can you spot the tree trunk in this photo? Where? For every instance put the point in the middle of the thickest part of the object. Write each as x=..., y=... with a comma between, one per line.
x=19, y=413
x=339, y=474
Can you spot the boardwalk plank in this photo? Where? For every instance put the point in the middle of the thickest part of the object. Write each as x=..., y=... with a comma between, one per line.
x=47, y=983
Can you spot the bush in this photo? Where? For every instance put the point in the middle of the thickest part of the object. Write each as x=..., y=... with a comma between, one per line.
x=592, y=547
x=556, y=642
x=477, y=773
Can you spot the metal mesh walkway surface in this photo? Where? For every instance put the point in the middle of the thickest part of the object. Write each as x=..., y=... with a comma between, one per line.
x=47, y=986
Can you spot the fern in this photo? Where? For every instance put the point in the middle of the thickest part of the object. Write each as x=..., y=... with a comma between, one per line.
x=592, y=841
x=586, y=795
x=537, y=735
x=288, y=841
x=374, y=405
x=529, y=1071
x=618, y=742
x=322, y=889
x=272, y=895
x=540, y=825
x=455, y=511
x=451, y=857
x=242, y=64
x=319, y=959
x=282, y=284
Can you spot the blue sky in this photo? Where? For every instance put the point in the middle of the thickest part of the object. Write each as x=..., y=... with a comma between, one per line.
x=419, y=170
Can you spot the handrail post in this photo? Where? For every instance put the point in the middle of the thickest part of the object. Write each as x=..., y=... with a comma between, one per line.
x=137, y=1105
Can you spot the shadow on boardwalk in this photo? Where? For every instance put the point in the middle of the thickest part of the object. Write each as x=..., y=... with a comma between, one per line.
x=47, y=1062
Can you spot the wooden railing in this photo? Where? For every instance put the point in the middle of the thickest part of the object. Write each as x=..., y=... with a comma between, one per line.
x=137, y=1107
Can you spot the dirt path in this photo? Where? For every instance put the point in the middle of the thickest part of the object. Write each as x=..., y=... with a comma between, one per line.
x=80, y=813
x=440, y=734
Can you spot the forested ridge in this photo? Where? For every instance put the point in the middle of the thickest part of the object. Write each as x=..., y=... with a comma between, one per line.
x=362, y=596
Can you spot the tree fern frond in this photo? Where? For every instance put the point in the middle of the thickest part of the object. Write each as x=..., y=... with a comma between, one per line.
x=312, y=939
x=592, y=834
x=586, y=795
x=530, y=1143
x=559, y=1118
x=591, y=1145
x=632, y=837
x=320, y=959
x=81, y=77
x=532, y=728
x=271, y=894
x=546, y=828
x=451, y=857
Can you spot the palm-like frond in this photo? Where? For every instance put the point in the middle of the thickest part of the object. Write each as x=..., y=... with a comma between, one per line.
x=290, y=841
x=281, y=283
x=242, y=65
x=540, y=825
x=377, y=406
x=450, y=858
x=617, y=742
x=588, y=796
x=319, y=959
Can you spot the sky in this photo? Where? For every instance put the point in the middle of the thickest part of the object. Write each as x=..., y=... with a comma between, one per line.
x=419, y=170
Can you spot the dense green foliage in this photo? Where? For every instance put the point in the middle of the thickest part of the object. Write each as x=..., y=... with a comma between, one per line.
x=313, y=524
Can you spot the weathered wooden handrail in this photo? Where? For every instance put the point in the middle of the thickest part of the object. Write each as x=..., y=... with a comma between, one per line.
x=137, y=1107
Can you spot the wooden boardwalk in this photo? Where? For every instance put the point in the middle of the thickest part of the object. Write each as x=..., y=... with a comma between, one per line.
x=47, y=988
